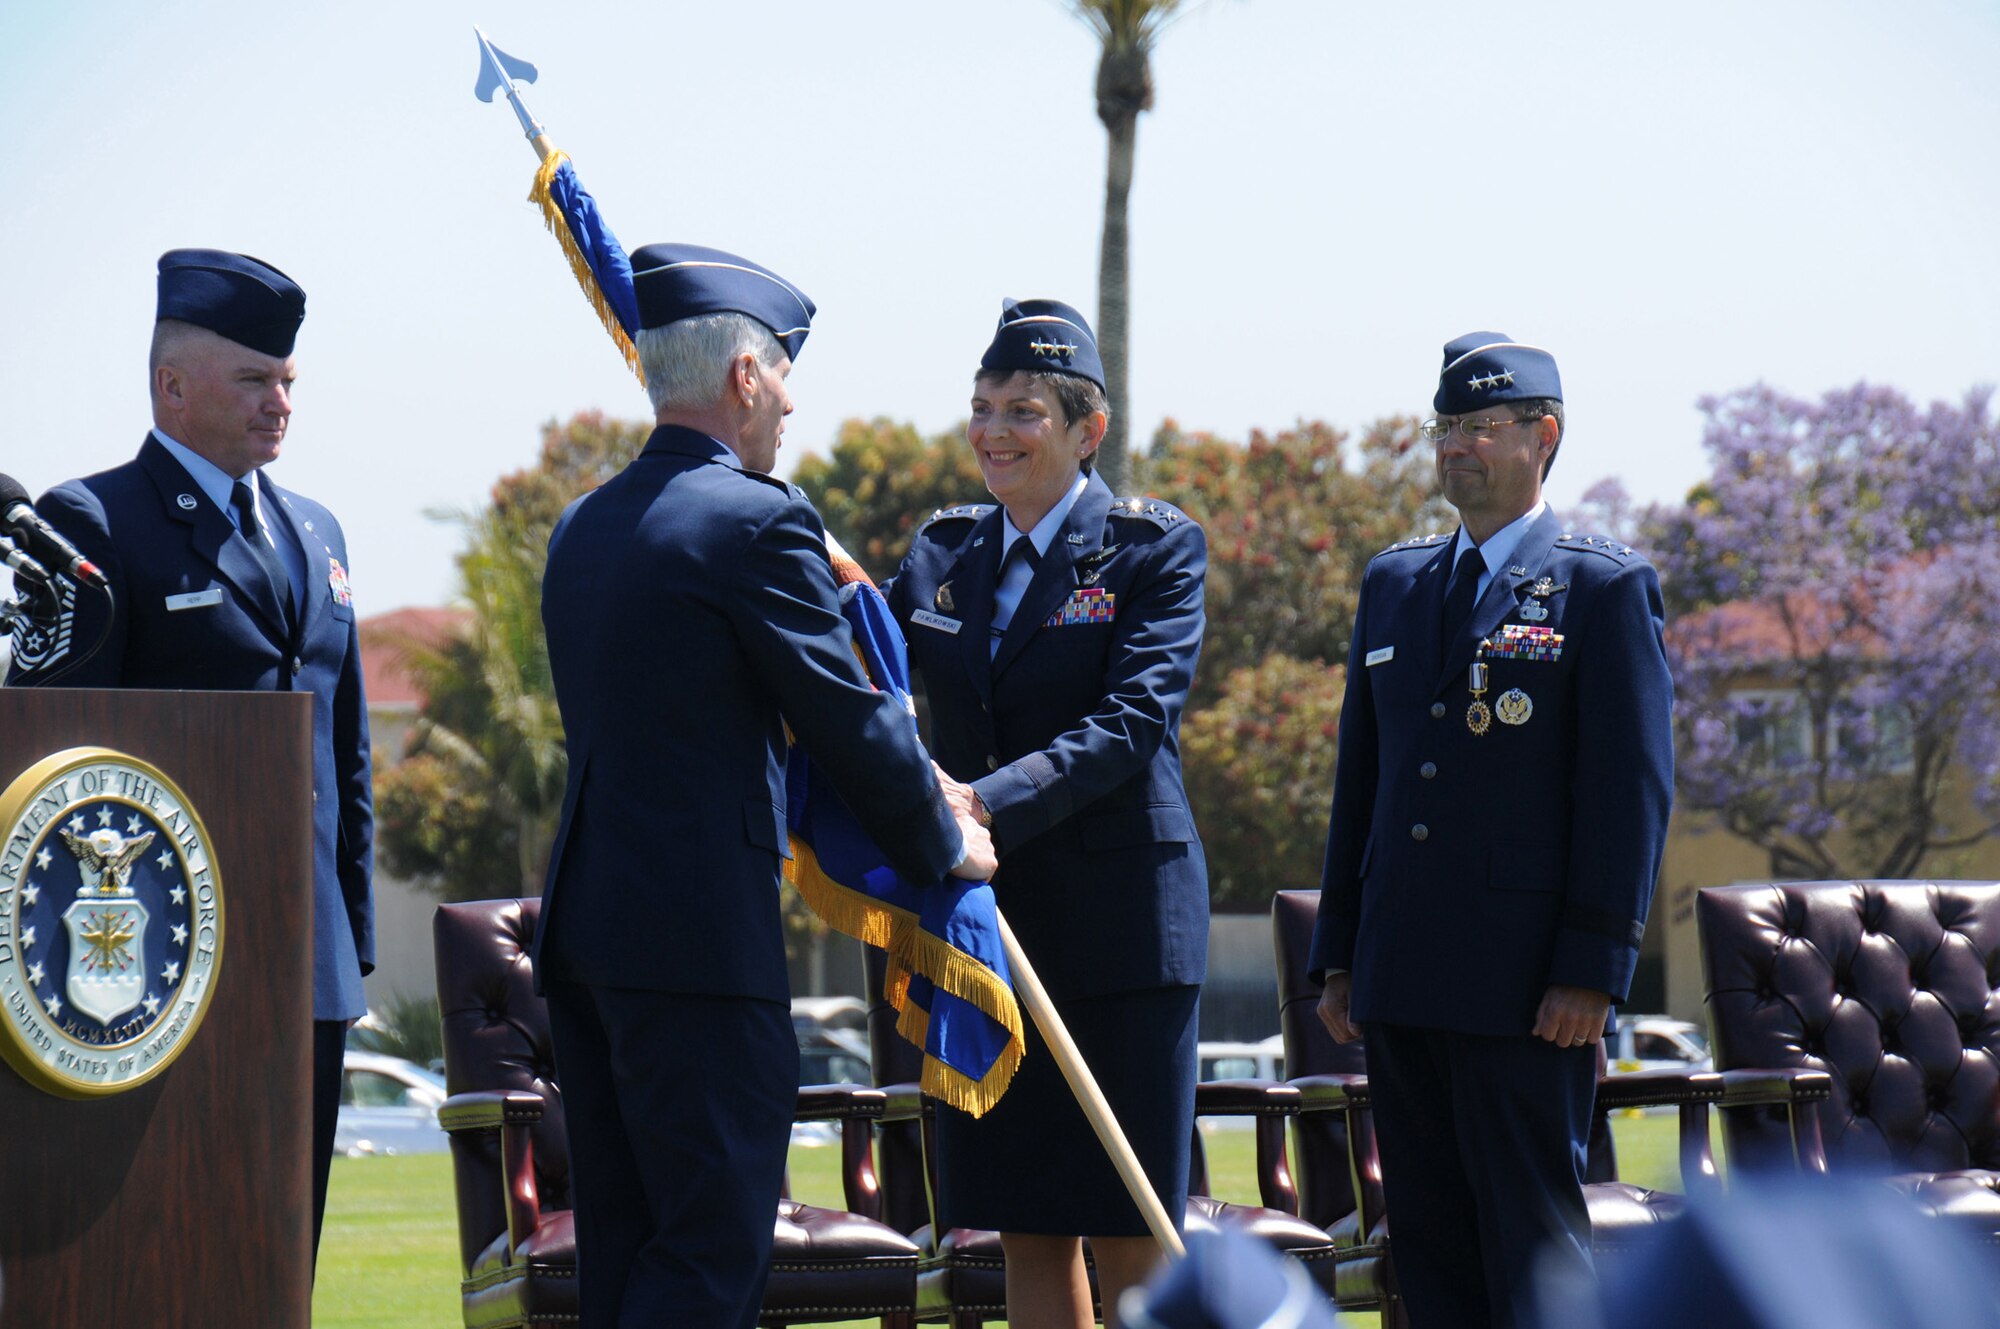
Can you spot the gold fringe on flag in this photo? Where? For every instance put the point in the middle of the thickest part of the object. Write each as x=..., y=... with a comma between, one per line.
x=914, y=951
x=552, y=217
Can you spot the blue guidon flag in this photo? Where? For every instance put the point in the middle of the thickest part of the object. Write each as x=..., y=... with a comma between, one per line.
x=948, y=976
x=595, y=257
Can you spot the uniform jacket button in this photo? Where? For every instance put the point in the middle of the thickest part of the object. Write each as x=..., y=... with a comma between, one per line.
x=1420, y=832
x=297, y=665
x=1428, y=770
x=992, y=763
x=1437, y=710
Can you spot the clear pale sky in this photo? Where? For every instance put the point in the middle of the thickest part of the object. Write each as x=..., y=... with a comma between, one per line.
x=1675, y=200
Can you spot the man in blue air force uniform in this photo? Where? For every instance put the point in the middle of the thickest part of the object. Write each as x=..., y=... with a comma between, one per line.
x=1499, y=809
x=692, y=616
x=224, y=581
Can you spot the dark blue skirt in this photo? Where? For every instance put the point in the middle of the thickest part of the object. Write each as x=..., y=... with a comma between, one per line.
x=1033, y=1164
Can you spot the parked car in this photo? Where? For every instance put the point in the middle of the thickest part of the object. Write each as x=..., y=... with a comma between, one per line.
x=1262, y=1060
x=387, y=1106
x=1658, y=1042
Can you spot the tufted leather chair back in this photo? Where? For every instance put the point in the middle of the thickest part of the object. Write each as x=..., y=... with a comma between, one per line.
x=1893, y=987
x=496, y=1037
x=1319, y=1162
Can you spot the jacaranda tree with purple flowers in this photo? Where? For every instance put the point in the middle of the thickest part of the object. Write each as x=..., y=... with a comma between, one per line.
x=1834, y=603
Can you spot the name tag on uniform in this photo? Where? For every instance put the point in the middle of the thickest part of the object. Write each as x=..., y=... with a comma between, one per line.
x=938, y=621
x=1383, y=656
x=194, y=600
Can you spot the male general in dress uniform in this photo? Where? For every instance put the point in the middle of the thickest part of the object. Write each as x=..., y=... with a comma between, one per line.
x=692, y=616
x=223, y=581
x=1499, y=811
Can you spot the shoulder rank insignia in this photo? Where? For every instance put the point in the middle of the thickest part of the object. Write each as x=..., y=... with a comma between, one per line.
x=1162, y=515
x=1615, y=550
x=964, y=511
x=1430, y=541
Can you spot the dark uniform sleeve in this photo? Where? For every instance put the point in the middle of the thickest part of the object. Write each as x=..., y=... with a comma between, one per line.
x=787, y=614
x=1622, y=783
x=353, y=770
x=1347, y=844
x=1156, y=641
x=79, y=517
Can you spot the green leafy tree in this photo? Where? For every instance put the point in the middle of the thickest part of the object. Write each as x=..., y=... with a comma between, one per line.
x=1292, y=520
x=1126, y=30
x=881, y=481
x=471, y=810
x=1259, y=769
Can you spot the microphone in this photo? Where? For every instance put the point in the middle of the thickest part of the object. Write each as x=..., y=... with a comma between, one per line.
x=41, y=539
x=22, y=565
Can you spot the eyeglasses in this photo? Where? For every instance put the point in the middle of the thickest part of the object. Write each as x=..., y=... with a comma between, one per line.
x=1437, y=431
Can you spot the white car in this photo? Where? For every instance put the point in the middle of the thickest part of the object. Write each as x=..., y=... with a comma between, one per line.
x=1658, y=1043
x=387, y=1106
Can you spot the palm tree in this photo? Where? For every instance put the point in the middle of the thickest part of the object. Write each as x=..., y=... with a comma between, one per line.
x=1127, y=29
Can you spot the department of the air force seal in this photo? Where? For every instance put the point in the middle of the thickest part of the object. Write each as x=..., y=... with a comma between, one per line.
x=110, y=922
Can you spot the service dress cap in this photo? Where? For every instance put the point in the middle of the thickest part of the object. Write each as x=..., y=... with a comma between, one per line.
x=1043, y=335
x=1483, y=369
x=675, y=281
x=233, y=295
x=1228, y=1281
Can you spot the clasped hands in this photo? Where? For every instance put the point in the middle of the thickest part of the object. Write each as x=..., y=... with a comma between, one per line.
x=980, y=859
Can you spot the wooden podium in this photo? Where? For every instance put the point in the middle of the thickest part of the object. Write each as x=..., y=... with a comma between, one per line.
x=185, y=1199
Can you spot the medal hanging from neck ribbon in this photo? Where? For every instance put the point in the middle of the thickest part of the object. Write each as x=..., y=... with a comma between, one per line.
x=1478, y=718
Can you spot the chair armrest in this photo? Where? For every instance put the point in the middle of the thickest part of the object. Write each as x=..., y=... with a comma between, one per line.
x=1272, y=1103
x=1665, y=1088
x=1331, y=1093
x=857, y=1108
x=1774, y=1086
x=1693, y=1092
x=1790, y=1092
x=489, y=1110
x=837, y=1102
x=509, y=1112
x=1245, y=1098
x=904, y=1102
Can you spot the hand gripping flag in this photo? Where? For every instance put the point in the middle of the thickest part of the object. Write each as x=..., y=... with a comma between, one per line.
x=947, y=975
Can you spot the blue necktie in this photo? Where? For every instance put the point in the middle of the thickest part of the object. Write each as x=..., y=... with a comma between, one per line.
x=1460, y=596
x=274, y=567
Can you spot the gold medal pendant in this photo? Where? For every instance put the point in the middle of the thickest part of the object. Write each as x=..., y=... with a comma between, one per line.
x=1477, y=717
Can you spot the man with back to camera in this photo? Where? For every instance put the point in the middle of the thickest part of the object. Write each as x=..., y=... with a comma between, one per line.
x=692, y=616
x=1499, y=811
x=224, y=581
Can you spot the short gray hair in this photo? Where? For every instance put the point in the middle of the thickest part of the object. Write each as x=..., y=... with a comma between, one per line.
x=686, y=363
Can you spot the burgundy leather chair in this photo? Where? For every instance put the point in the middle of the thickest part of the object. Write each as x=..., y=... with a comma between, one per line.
x=1339, y=1171
x=510, y=1158
x=963, y=1274
x=1888, y=992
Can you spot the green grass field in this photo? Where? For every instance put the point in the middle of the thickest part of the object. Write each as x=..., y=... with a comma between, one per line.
x=389, y=1258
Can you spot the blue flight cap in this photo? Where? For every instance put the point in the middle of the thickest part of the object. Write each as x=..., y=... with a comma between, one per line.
x=233, y=295
x=674, y=282
x=1483, y=369
x=1041, y=335
x=1228, y=1281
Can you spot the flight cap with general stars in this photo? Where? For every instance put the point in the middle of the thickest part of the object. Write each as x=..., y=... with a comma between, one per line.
x=1483, y=369
x=1043, y=335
